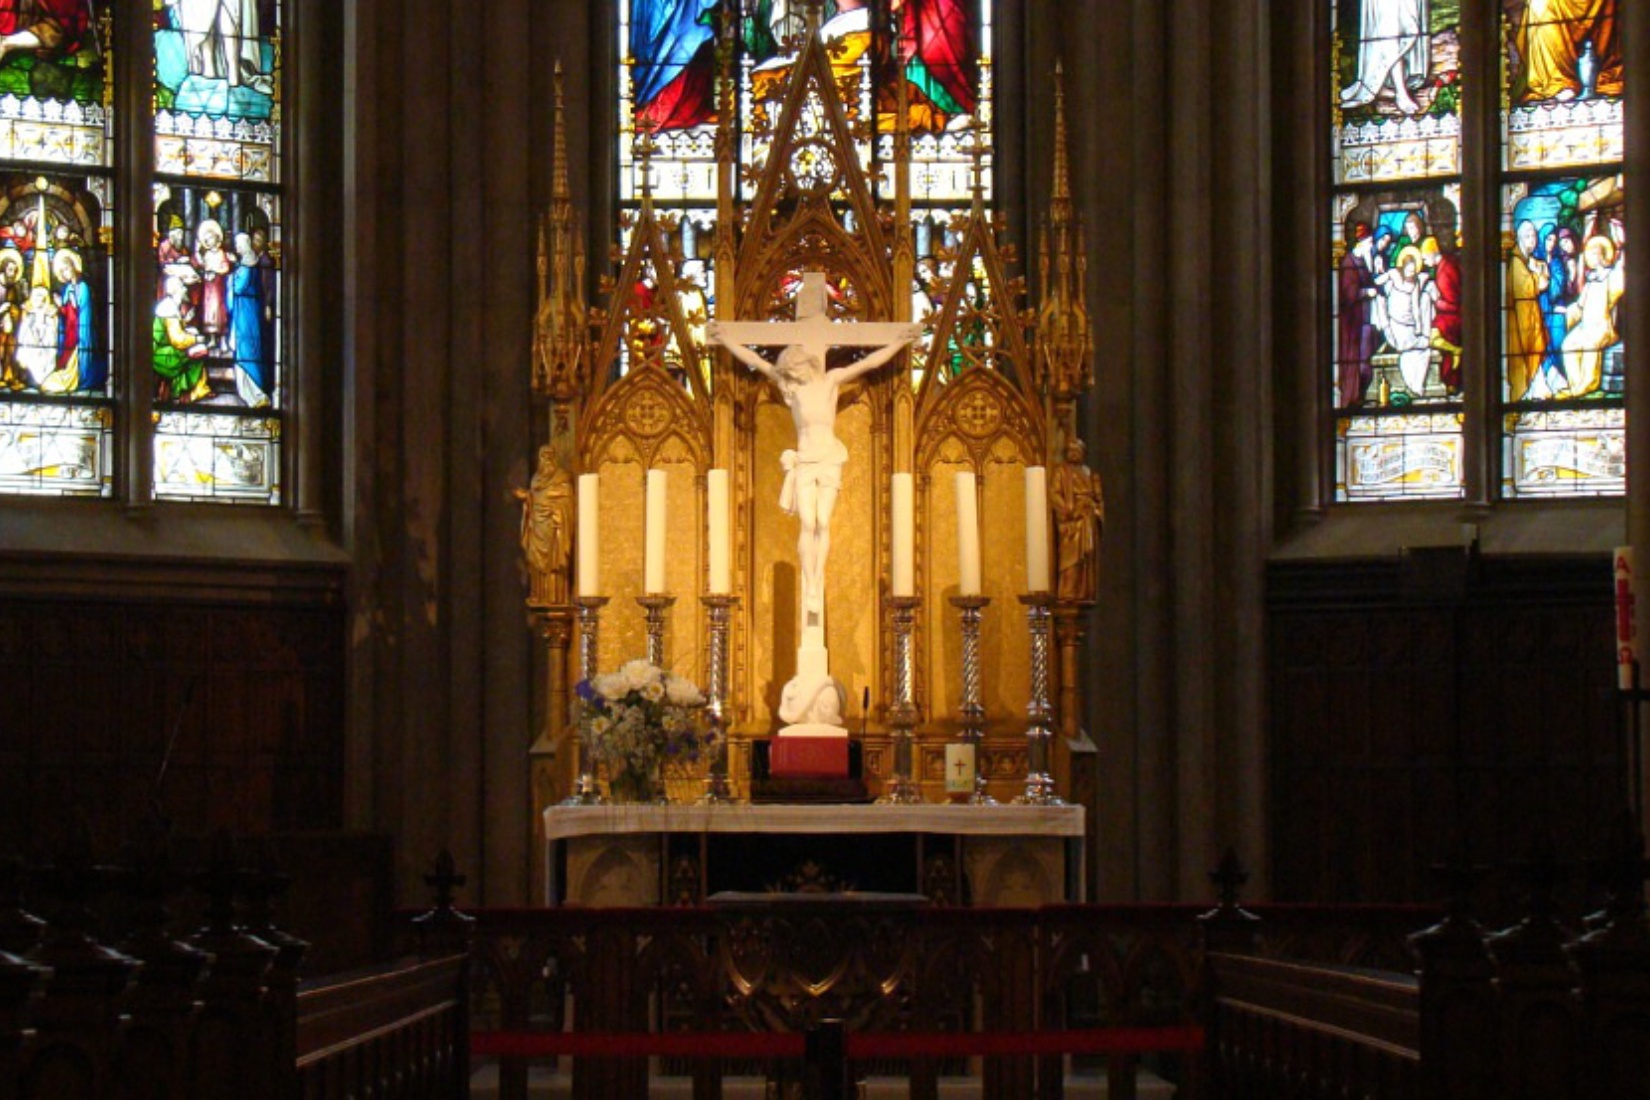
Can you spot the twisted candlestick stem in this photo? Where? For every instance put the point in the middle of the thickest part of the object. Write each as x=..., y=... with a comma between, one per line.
x=716, y=692
x=1039, y=714
x=971, y=711
x=902, y=789
x=657, y=607
x=585, y=792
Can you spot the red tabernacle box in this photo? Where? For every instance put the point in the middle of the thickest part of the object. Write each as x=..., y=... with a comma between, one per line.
x=808, y=757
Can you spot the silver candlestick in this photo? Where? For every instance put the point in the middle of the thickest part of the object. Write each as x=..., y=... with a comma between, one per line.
x=657, y=606
x=971, y=710
x=716, y=691
x=1039, y=715
x=902, y=790
x=585, y=792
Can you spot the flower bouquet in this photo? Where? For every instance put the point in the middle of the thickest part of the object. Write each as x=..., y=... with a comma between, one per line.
x=637, y=720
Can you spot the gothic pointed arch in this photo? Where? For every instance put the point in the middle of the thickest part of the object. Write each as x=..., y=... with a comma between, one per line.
x=981, y=324
x=809, y=167
x=984, y=414
x=648, y=414
x=647, y=324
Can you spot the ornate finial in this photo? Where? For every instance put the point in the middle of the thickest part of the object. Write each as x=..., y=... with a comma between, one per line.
x=559, y=187
x=443, y=929
x=813, y=16
x=445, y=879
x=1061, y=198
x=976, y=153
x=645, y=149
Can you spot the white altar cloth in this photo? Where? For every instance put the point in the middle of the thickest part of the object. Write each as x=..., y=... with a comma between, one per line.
x=563, y=822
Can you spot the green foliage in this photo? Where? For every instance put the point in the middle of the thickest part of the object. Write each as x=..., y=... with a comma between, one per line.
x=68, y=80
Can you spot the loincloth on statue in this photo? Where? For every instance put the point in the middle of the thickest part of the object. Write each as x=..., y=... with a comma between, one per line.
x=823, y=471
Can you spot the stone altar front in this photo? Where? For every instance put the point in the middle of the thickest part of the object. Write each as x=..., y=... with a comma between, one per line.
x=630, y=855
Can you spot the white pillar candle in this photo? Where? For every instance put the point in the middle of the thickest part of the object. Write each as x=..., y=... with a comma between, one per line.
x=1036, y=529
x=653, y=575
x=716, y=499
x=590, y=546
x=968, y=536
x=904, y=580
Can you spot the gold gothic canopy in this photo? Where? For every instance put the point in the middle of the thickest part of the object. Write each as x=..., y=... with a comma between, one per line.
x=636, y=385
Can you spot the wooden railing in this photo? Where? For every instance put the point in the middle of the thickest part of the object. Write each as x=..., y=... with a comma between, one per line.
x=1296, y=1003
x=1535, y=1012
x=919, y=990
x=1289, y=1029
x=397, y=1030
x=1282, y=1002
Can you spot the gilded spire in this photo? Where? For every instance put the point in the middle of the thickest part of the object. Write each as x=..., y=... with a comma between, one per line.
x=560, y=327
x=1064, y=337
x=560, y=189
x=1061, y=199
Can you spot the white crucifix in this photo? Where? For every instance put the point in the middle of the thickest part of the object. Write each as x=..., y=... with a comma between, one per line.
x=813, y=470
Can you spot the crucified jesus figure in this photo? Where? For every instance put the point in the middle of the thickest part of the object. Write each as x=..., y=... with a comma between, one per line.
x=813, y=471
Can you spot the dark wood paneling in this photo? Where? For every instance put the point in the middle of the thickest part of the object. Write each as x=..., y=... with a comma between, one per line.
x=1421, y=704
x=94, y=689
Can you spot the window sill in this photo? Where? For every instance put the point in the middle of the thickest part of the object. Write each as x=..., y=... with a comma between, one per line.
x=1382, y=530
x=72, y=547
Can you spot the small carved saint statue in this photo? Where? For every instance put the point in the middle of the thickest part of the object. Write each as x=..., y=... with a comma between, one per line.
x=546, y=529
x=1079, y=504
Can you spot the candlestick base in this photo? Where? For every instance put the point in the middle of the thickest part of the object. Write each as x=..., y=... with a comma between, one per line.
x=585, y=793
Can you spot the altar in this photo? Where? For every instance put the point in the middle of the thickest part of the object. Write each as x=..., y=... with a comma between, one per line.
x=646, y=855
x=815, y=452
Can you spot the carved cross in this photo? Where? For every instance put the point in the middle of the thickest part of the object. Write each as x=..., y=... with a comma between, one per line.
x=813, y=329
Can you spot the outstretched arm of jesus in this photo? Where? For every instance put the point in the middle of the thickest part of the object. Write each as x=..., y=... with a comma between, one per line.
x=844, y=375
x=747, y=356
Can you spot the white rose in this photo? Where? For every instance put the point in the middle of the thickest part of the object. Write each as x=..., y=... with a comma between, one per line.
x=683, y=693
x=653, y=692
x=638, y=674
x=611, y=685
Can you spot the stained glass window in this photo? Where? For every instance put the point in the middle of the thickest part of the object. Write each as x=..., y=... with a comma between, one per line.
x=674, y=52
x=1396, y=236
x=57, y=380
x=210, y=385
x=1402, y=383
x=1563, y=239
x=216, y=318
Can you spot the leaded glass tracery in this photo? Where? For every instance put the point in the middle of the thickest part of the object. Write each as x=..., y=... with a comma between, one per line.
x=672, y=52
x=57, y=380
x=212, y=375
x=1401, y=383
x=1397, y=381
x=1564, y=248
x=216, y=323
